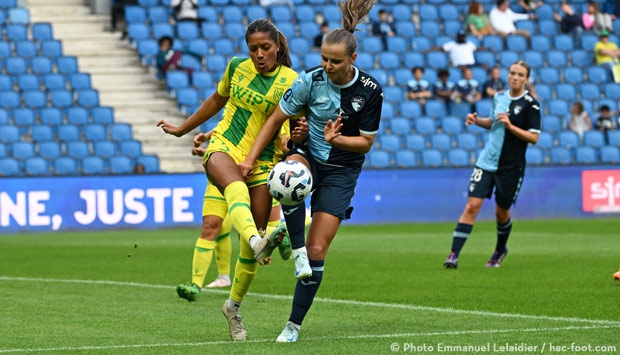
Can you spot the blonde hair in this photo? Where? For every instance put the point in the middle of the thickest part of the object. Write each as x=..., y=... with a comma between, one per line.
x=352, y=13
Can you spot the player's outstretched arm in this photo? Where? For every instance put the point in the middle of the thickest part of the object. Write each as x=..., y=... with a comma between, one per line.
x=207, y=109
x=472, y=118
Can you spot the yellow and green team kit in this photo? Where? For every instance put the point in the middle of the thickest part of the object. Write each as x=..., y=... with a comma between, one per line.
x=252, y=98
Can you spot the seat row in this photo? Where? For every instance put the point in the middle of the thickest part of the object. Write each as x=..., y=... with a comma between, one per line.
x=66, y=165
x=69, y=132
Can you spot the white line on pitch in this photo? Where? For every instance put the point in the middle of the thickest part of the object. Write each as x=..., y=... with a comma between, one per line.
x=343, y=337
x=333, y=301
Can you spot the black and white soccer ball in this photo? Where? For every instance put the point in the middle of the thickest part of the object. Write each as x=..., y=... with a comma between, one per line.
x=290, y=182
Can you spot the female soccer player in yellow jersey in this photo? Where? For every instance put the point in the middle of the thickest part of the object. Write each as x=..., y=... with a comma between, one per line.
x=249, y=92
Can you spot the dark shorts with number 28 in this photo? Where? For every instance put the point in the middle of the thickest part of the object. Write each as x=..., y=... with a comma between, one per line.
x=482, y=183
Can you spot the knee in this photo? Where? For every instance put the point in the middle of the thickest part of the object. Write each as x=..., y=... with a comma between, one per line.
x=471, y=209
x=316, y=252
x=501, y=215
x=210, y=229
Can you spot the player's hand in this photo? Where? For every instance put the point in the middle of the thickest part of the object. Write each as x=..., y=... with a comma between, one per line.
x=332, y=130
x=300, y=132
x=199, y=151
x=502, y=117
x=170, y=128
x=246, y=167
x=471, y=118
x=266, y=261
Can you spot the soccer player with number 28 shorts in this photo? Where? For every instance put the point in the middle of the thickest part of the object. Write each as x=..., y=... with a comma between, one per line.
x=343, y=110
x=514, y=123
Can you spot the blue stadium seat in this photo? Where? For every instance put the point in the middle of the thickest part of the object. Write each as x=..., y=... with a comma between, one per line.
x=150, y=163
x=121, y=165
x=389, y=142
x=67, y=65
x=305, y=13
x=393, y=94
x=216, y=63
x=331, y=13
x=557, y=59
x=209, y=14
x=160, y=30
x=255, y=12
x=425, y=125
x=588, y=40
x=494, y=42
x=589, y=91
x=147, y=51
x=415, y=142
x=573, y=75
x=88, y=98
x=25, y=49
x=597, y=75
x=158, y=14
x=8, y=4
x=419, y=44
x=428, y=11
x=435, y=108
x=400, y=126
x=534, y=155
x=516, y=43
x=176, y=80
x=309, y=30
x=51, y=49
x=95, y=132
x=232, y=13
x=65, y=166
x=397, y=44
x=130, y=148
x=565, y=92
x=585, y=155
x=41, y=65
x=534, y=58
x=581, y=58
x=551, y=123
x=561, y=155
x=563, y=42
x=406, y=159
x=612, y=91
x=432, y=158
x=527, y=25
x=610, y=154
x=549, y=76
x=148, y=3
x=540, y=42
x=314, y=60
x=138, y=32
x=614, y=137
x=93, y=165
x=16, y=66
x=54, y=81
x=9, y=100
x=102, y=115
x=387, y=110
x=506, y=58
x=24, y=118
x=68, y=133
x=410, y=109
x=187, y=30
x=135, y=14
x=441, y=141
x=437, y=60
x=49, y=149
x=50, y=116
x=467, y=140
x=26, y=82
x=451, y=125
x=461, y=109
x=19, y=15
x=430, y=29
x=379, y=159
x=372, y=45
x=234, y=31
x=120, y=132
x=42, y=133
x=299, y=46
x=389, y=61
x=568, y=139
x=405, y=29
x=9, y=167
x=548, y=27
x=16, y=32
x=414, y=59
x=77, y=149
x=80, y=81
x=546, y=140
x=77, y=116
x=382, y=76
x=451, y=27
x=4, y=150
x=104, y=149
x=486, y=57
x=459, y=157
x=595, y=139
x=544, y=92
x=22, y=150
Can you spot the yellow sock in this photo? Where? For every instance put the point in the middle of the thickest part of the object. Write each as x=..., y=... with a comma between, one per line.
x=245, y=272
x=223, y=248
x=238, y=200
x=203, y=253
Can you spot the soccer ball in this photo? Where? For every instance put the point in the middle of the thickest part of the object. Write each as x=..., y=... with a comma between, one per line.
x=290, y=182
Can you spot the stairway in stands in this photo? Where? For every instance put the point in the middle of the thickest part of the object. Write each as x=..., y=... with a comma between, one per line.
x=134, y=92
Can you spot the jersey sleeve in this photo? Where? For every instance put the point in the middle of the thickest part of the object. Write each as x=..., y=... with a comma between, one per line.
x=296, y=97
x=371, y=114
x=533, y=117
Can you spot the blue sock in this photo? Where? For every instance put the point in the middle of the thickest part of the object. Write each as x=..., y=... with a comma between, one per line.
x=503, y=232
x=295, y=217
x=461, y=233
x=305, y=291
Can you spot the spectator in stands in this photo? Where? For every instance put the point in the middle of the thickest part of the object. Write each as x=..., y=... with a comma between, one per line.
x=318, y=39
x=418, y=88
x=118, y=13
x=606, y=52
x=530, y=5
x=580, y=121
x=384, y=27
x=185, y=10
x=605, y=121
x=612, y=7
x=571, y=22
x=477, y=22
x=503, y=20
x=596, y=20
x=467, y=89
x=170, y=59
x=461, y=51
x=494, y=85
x=139, y=169
x=443, y=88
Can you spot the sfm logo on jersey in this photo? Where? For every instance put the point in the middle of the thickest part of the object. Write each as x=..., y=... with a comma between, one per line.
x=601, y=191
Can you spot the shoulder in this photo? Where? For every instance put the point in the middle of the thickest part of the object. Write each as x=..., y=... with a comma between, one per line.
x=369, y=81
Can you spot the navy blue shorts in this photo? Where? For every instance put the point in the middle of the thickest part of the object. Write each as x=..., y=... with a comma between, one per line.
x=482, y=183
x=334, y=186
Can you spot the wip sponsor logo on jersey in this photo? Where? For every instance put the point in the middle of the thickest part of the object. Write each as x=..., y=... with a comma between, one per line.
x=251, y=97
x=601, y=191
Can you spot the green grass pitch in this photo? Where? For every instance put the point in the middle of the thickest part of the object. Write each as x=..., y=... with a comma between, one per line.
x=384, y=291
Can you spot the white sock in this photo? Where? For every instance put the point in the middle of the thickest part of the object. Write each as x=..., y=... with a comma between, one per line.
x=300, y=250
x=253, y=240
